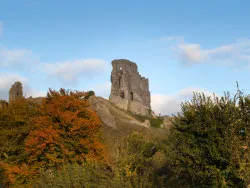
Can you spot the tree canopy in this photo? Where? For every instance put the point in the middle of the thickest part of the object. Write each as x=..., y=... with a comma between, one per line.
x=209, y=142
x=63, y=131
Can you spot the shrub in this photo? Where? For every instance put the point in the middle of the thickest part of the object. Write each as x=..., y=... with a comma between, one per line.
x=205, y=144
x=64, y=131
x=156, y=122
x=89, y=175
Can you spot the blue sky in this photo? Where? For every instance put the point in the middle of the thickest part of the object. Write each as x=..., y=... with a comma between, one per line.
x=181, y=46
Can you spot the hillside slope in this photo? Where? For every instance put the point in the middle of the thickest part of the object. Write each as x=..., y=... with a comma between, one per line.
x=117, y=124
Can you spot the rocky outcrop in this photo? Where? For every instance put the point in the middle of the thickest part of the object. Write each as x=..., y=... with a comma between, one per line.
x=101, y=107
x=129, y=91
x=16, y=91
x=110, y=114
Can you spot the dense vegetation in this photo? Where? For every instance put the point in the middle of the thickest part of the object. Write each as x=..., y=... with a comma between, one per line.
x=209, y=143
x=63, y=130
x=58, y=144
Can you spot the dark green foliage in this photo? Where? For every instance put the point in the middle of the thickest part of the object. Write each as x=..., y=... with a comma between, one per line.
x=156, y=122
x=140, y=160
x=89, y=94
x=138, y=117
x=15, y=125
x=206, y=149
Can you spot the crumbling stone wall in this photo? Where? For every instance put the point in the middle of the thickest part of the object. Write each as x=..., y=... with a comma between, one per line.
x=3, y=104
x=129, y=91
x=16, y=91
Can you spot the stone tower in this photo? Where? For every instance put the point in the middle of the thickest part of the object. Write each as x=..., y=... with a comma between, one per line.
x=16, y=91
x=129, y=91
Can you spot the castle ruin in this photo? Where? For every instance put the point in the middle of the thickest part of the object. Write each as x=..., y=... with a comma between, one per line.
x=129, y=91
x=3, y=104
x=16, y=91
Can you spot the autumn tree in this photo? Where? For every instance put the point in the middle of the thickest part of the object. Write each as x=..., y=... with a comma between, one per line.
x=15, y=124
x=66, y=131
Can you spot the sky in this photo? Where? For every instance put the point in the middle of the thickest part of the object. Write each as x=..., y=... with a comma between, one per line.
x=180, y=46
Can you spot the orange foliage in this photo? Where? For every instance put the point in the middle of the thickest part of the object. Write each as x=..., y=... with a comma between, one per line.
x=15, y=125
x=65, y=131
x=17, y=173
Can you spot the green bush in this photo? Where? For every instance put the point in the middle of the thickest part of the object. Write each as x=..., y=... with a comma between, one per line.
x=138, y=162
x=156, y=122
x=134, y=168
x=74, y=175
x=138, y=117
x=89, y=94
x=206, y=148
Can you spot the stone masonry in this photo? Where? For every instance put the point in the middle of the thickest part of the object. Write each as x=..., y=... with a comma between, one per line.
x=3, y=104
x=16, y=91
x=129, y=91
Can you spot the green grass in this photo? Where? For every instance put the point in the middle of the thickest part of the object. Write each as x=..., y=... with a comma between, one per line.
x=154, y=122
x=138, y=117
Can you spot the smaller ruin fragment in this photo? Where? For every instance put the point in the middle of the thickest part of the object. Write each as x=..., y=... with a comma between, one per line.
x=3, y=104
x=16, y=91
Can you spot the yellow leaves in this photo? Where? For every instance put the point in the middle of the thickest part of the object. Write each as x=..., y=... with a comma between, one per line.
x=54, y=158
x=129, y=172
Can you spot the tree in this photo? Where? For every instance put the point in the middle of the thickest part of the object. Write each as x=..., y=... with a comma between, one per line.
x=65, y=131
x=206, y=145
x=15, y=125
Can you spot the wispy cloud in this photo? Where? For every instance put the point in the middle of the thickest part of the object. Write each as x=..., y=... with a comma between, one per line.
x=1, y=28
x=34, y=3
x=235, y=53
x=69, y=72
x=170, y=104
x=65, y=73
x=17, y=58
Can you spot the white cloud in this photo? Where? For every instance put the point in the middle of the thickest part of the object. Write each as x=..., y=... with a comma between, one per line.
x=67, y=73
x=71, y=71
x=170, y=104
x=229, y=54
x=1, y=28
x=17, y=58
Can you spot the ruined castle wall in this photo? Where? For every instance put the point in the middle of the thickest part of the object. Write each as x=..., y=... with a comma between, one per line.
x=129, y=91
x=16, y=91
x=3, y=104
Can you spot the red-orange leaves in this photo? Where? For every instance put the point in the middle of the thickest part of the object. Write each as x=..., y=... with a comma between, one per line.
x=65, y=131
